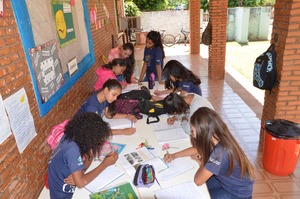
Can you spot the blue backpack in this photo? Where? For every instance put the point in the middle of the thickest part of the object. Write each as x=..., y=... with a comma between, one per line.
x=265, y=73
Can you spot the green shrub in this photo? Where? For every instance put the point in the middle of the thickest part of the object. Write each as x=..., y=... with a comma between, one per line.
x=131, y=10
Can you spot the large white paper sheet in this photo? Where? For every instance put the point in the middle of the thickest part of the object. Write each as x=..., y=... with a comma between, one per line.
x=4, y=123
x=171, y=135
x=188, y=190
x=20, y=118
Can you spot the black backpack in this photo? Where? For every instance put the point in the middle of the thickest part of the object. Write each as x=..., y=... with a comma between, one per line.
x=152, y=109
x=264, y=72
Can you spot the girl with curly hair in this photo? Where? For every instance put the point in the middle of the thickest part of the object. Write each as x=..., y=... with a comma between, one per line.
x=179, y=79
x=84, y=136
x=100, y=101
x=224, y=167
x=153, y=57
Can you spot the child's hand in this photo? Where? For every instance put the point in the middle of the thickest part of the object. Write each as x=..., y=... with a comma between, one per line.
x=171, y=120
x=110, y=159
x=129, y=131
x=131, y=118
x=156, y=92
x=161, y=82
x=69, y=180
x=168, y=157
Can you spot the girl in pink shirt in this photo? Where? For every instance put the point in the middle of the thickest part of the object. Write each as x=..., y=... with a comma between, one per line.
x=126, y=51
x=109, y=71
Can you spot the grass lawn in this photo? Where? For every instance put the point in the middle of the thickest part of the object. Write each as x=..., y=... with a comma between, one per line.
x=242, y=56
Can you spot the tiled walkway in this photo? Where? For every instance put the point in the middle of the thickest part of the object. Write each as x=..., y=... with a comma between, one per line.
x=242, y=112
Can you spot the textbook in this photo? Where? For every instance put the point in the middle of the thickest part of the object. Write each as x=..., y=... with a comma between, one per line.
x=123, y=191
x=130, y=161
x=106, y=177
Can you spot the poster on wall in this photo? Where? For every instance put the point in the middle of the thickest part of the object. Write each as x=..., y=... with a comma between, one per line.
x=62, y=13
x=47, y=69
x=20, y=117
x=4, y=123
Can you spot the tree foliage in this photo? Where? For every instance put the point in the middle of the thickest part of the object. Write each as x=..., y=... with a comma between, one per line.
x=131, y=9
x=151, y=5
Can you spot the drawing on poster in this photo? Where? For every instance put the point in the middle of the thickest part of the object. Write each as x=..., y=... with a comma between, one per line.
x=47, y=69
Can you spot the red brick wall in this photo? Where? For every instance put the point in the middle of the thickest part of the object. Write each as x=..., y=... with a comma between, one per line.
x=194, y=26
x=284, y=101
x=22, y=174
x=217, y=49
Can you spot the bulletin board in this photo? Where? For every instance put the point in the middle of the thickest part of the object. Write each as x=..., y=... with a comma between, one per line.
x=39, y=24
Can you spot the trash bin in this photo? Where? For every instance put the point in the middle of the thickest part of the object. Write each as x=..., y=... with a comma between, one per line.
x=281, y=147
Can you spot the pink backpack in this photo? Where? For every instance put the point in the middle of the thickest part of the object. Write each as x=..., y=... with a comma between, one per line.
x=56, y=133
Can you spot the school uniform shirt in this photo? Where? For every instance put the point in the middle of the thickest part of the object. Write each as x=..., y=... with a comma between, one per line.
x=218, y=164
x=93, y=105
x=103, y=74
x=64, y=160
x=197, y=102
x=190, y=87
x=153, y=57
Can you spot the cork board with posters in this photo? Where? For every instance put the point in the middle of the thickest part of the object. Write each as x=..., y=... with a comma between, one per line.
x=37, y=24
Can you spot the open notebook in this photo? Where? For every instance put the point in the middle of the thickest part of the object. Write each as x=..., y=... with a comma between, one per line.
x=176, y=167
x=106, y=177
x=188, y=190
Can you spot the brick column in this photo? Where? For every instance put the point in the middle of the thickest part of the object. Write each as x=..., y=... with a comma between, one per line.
x=194, y=26
x=284, y=100
x=217, y=49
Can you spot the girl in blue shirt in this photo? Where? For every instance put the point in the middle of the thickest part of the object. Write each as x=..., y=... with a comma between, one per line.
x=100, y=101
x=84, y=136
x=153, y=57
x=224, y=166
x=179, y=79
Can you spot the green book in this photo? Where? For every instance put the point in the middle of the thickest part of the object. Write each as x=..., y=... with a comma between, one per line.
x=123, y=191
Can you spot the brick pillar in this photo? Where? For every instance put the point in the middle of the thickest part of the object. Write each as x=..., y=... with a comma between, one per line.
x=284, y=100
x=194, y=26
x=217, y=49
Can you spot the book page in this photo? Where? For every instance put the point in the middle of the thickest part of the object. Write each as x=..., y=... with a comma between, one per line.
x=171, y=135
x=131, y=160
x=131, y=87
x=119, y=123
x=134, y=157
x=176, y=167
x=188, y=190
x=106, y=177
x=163, y=125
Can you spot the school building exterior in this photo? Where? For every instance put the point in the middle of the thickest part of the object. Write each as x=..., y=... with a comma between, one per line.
x=22, y=175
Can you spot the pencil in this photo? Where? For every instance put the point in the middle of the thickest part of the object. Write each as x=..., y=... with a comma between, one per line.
x=131, y=123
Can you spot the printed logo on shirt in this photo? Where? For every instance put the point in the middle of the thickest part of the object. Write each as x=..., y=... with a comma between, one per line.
x=68, y=188
x=214, y=161
x=79, y=161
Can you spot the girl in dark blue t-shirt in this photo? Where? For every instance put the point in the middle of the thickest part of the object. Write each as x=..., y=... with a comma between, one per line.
x=224, y=167
x=179, y=79
x=153, y=57
x=84, y=136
